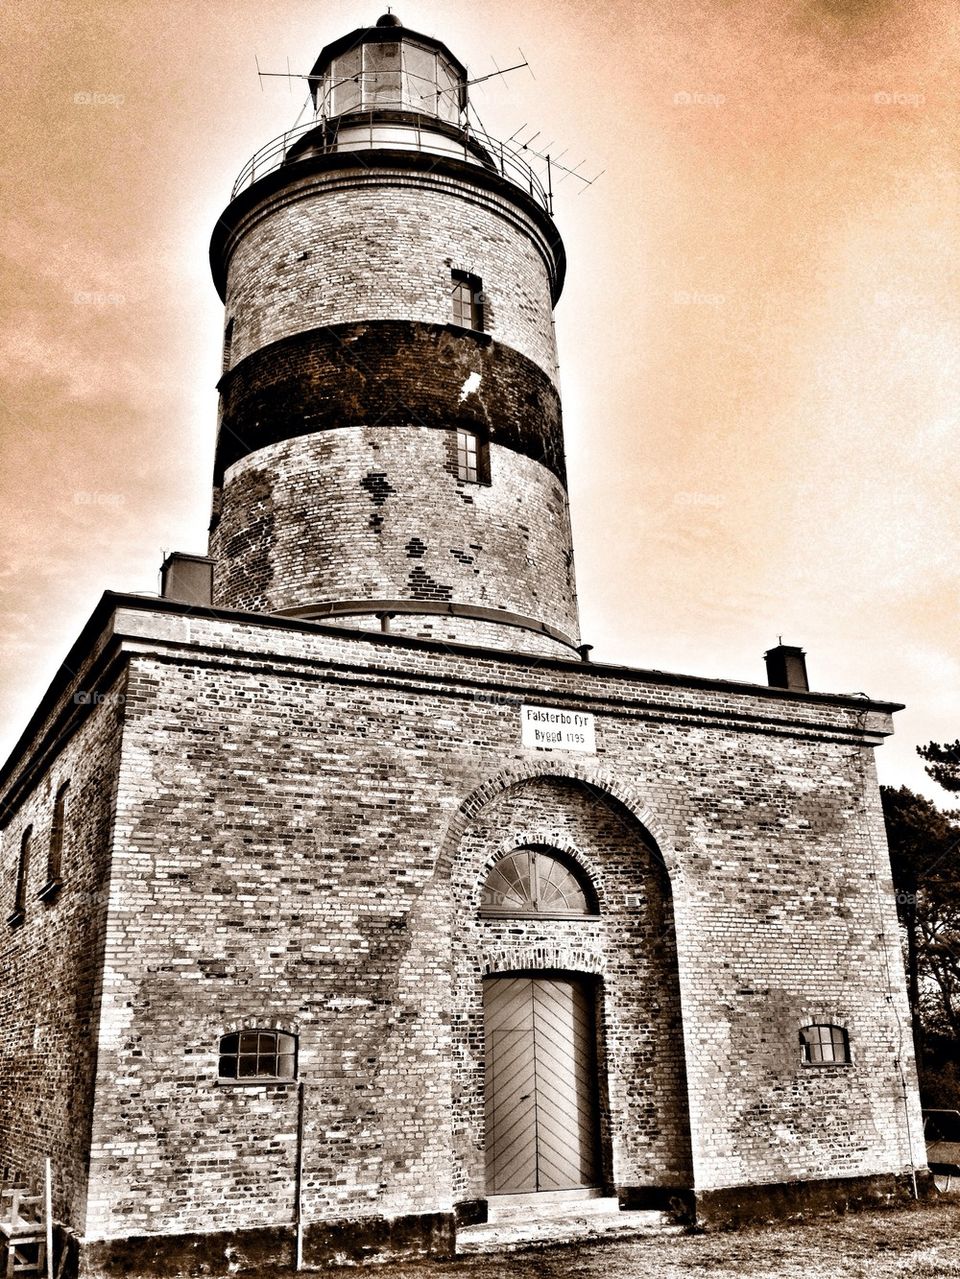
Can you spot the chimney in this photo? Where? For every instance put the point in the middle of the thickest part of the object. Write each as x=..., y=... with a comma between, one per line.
x=786, y=667
x=187, y=579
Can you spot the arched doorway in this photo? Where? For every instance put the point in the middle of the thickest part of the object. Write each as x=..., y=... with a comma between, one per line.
x=541, y=1093
x=554, y=879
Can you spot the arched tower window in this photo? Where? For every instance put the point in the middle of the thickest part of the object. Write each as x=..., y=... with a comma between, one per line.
x=55, y=851
x=824, y=1045
x=23, y=873
x=537, y=881
x=256, y=1055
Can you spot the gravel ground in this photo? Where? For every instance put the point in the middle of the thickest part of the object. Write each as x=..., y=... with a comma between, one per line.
x=922, y=1242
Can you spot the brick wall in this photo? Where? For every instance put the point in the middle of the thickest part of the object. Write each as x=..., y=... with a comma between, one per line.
x=379, y=513
x=377, y=243
x=304, y=818
x=390, y=373
x=51, y=963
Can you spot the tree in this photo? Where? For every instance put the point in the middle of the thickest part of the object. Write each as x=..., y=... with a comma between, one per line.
x=943, y=763
x=925, y=860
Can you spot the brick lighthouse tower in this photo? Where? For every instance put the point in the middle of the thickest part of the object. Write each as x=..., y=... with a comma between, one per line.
x=390, y=449
x=343, y=907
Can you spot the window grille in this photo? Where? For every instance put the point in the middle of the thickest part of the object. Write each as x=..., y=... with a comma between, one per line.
x=466, y=299
x=535, y=882
x=258, y=1055
x=824, y=1045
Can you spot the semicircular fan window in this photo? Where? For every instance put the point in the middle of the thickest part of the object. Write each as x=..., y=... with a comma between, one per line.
x=531, y=881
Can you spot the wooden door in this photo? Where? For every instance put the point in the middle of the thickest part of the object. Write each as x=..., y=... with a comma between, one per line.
x=541, y=1089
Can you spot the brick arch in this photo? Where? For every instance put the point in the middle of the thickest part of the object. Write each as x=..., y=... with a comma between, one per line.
x=598, y=779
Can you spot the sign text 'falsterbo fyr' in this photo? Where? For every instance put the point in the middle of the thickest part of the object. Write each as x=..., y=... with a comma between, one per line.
x=547, y=726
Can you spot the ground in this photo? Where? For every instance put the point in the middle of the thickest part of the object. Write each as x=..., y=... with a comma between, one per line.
x=922, y=1242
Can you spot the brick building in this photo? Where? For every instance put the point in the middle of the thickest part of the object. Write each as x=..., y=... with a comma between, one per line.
x=343, y=898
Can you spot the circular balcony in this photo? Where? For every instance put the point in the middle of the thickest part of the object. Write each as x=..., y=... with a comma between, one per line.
x=401, y=131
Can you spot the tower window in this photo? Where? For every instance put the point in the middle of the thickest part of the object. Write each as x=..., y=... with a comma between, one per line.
x=227, y=345
x=823, y=1045
x=55, y=850
x=23, y=871
x=467, y=298
x=256, y=1055
x=533, y=881
x=473, y=458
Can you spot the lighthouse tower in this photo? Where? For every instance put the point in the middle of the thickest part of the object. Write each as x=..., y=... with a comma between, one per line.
x=390, y=449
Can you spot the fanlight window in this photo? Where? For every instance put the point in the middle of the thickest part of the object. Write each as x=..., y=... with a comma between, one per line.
x=534, y=882
x=824, y=1045
x=258, y=1054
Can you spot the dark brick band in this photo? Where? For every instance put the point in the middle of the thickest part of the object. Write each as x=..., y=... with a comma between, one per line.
x=389, y=373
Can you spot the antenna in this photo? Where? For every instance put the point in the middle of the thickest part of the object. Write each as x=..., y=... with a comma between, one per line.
x=554, y=163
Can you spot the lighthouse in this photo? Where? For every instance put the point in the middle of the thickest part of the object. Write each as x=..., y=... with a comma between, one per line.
x=390, y=450
x=346, y=910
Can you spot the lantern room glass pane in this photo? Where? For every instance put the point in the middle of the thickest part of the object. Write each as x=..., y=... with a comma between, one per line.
x=448, y=93
x=346, y=76
x=532, y=882
x=419, y=79
x=381, y=75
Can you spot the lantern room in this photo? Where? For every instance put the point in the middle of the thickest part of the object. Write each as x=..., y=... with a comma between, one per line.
x=388, y=68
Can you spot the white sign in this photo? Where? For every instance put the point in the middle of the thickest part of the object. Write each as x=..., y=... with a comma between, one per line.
x=557, y=730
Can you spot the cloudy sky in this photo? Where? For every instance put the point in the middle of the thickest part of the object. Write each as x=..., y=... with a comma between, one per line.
x=758, y=337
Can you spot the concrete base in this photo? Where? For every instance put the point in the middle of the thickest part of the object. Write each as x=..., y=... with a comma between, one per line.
x=265, y=1249
x=734, y=1206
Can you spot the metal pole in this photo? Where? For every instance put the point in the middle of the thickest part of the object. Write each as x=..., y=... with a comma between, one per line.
x=298, y=1260
x=906, y=1115
x=48, y=1212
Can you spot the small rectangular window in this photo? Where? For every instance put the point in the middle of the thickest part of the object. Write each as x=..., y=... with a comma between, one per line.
x=467, y=456
x=473, y=458
x=258, y=1055
x=227, y=345
x=824, y=1045
x=467, y=298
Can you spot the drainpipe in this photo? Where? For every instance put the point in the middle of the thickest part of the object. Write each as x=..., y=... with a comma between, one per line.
x=298, y=1259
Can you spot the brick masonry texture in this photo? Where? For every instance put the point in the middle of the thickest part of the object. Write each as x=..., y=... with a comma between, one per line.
x=377, y=243
x=391, y=373
x=51, y=964
x=303, y=820
x=378, y=513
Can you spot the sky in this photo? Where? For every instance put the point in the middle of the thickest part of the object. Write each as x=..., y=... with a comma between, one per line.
x=759, y=335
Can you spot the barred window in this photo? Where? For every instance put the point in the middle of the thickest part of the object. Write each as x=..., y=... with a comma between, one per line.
x=824, y=1045
x=258, y=1054
x=467, y=298
x=533, y=881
